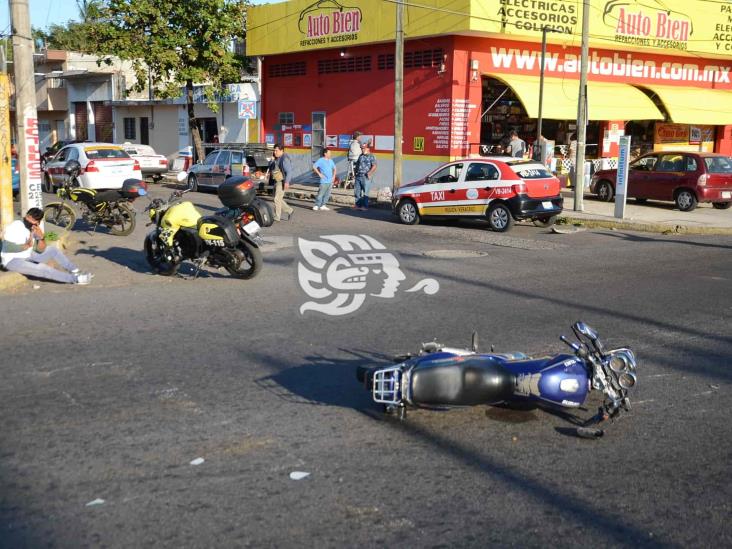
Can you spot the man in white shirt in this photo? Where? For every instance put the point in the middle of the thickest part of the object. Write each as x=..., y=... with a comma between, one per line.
x=24, y=251
x=354, y=151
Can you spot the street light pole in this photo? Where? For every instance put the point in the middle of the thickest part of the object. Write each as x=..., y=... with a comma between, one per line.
x=579, y=165
x=544, y=30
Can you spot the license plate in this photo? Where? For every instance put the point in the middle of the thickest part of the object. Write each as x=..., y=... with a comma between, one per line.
x=727, y=194
x=547, y=205
x=252, y=228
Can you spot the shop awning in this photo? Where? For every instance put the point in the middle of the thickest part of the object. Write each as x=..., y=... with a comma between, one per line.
x=605, y=101
x=695, y=105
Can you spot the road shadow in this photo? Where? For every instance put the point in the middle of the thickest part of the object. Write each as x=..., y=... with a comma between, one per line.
x=323, y=381
x=126, y=257
x=639, y=238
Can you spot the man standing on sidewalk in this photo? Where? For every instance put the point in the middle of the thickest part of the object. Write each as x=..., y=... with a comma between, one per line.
x=25, y=252
x=325, y=169
x=354, y=151
x=365, y=168
x=280, y=173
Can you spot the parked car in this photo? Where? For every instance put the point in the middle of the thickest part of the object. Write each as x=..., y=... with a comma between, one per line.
x=250, y=160
x=498, y=189
x=16, y=175
x=103, y=166
x=152, y=165
x=685, y=178
x=53, y=149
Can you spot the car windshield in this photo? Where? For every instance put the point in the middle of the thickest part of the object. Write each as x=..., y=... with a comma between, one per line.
x=718, y=164
x=97, y=154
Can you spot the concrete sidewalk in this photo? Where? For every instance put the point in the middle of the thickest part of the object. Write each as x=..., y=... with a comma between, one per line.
x=658, y=217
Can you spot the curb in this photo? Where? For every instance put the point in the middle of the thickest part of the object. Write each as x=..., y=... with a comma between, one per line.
x=9, y=280
x=662, y=228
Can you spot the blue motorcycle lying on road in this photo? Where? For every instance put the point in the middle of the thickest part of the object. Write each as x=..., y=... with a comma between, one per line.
x=442, y=377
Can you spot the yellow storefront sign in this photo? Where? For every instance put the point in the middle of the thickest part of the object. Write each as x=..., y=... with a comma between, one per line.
x=419, y=144
x=673, y=26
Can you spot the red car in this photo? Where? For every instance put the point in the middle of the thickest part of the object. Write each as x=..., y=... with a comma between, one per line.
x=497, y=189
x=685, y=178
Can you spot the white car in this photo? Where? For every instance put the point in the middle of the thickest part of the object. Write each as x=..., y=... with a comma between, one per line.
x=152, y=164
x=103, y=166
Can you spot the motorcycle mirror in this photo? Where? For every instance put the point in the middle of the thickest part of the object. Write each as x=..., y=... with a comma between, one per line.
x=182, y=176
x=585, y=330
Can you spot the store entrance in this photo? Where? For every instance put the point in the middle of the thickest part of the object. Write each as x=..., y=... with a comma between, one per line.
x=503, y=112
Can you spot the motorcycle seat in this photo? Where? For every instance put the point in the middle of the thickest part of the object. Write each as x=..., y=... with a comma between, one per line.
x=462, y=381
x=107, y=196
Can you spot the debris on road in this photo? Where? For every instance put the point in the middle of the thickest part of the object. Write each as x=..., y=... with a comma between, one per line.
x=299, y=475
x=197, y=461
x=97, y=501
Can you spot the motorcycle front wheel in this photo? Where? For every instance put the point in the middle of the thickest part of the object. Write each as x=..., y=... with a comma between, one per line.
x=155, y=255
x=60, y=214
x=245, y=262
x=122, y=220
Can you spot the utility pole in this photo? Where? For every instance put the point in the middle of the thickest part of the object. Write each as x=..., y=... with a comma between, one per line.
x=6, y=176
x=398, y=94
x=26, y=114
x=579, y=165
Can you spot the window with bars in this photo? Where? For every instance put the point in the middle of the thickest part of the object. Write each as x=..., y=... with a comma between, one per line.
x=345, y=64
x=286, y=118
x=129, y=124
x=423, y=59
x=385, y=61
x=296, y=68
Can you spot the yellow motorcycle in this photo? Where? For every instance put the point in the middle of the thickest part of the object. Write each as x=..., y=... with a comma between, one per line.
x=181, y=233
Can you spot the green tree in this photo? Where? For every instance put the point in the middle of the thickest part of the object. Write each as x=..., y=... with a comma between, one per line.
x=174, y=44
x=75, y=35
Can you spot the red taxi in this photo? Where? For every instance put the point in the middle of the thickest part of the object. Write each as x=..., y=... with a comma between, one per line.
x=499, y=190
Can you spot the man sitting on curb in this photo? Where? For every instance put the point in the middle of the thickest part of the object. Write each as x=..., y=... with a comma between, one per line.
x=24, y=251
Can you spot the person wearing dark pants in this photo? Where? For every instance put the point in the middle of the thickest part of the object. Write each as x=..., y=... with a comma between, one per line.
x=365, y=168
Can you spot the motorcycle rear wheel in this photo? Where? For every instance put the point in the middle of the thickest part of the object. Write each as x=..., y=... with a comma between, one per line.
x=155, y=255
x=60, y=214
x=123, y=220
x=248, y=261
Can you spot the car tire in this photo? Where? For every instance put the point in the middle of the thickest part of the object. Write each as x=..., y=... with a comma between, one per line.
x=47, y=186
x=605, y=191
x=499, y=217
x=721, y=205
x=408, y=212
x=545, y=222
x=685, y=200
x=192, y=183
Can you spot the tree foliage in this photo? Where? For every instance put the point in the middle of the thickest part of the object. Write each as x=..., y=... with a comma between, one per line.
x=171, y=42
x=75, y=35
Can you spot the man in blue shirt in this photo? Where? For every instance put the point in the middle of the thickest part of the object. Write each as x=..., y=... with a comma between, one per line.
x=325, y=170
x=365, y=168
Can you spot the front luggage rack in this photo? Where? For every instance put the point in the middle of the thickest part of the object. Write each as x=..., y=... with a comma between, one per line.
x=387, y=385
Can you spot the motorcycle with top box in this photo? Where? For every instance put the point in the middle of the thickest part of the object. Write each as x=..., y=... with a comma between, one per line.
x=444, y=377
x=181, y=233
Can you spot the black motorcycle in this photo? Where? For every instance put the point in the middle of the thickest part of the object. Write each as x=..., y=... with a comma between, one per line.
x=181, y=233
x=110, y=208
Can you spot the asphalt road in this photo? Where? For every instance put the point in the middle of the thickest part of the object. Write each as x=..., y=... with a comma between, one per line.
x=109, y=391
